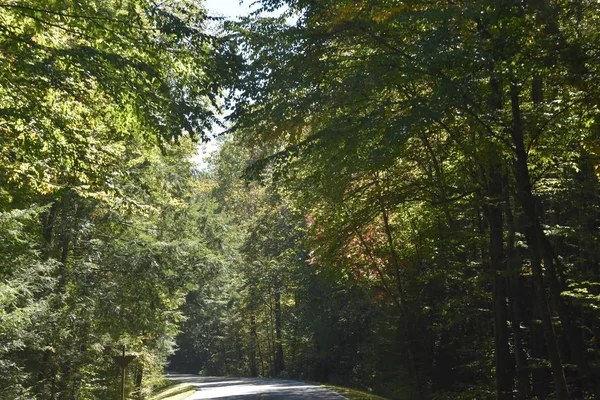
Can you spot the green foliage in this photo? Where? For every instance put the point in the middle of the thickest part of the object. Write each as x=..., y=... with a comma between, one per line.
x=408, y=203
x=407, y=135
x=101, y=220
x=26, y=286
x=80, y=80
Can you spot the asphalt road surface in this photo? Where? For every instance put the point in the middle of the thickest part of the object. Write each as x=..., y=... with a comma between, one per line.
x=253, y=388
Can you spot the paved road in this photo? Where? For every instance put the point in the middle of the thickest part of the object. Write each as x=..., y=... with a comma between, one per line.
x=253, y=388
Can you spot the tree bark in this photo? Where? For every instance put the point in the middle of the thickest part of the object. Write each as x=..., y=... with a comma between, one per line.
x=503, y=359
x=253, y=337
x=279, y=362
x=513, y=268
x=534, y=242
x=494, y=214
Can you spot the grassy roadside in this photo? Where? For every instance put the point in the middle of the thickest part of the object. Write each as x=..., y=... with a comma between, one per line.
x=351, y=394
x=177, y=391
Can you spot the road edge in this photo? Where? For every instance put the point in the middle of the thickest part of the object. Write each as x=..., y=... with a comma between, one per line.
x=179, y=391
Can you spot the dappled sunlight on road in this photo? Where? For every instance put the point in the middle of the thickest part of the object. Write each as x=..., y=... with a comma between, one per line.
x=253, y=388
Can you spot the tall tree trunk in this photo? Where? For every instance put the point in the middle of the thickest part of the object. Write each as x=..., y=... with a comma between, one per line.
x=295, y=340
x=548, y=24
x=253, y=340
x=535, y=242
x=503, y=359
x=514, y=270
x=279, y=362
x=566, y=314
x=270, y=353
x=261, y=359
x=56, y=247
x=494, y=213
x=539, y=372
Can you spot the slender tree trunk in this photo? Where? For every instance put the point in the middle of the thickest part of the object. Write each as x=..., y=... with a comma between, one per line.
x=555, y=285
x=566, y=314
x=48, y=223
x=279, y=362
x=535, y=243
x=403, y=307
x=139, y=377
x=513, y=267
x=539, y=373
x=253, y=367
x=261, y=359
x=270, y=353
x=55, y=249
x=295, y=341
x=494, y=213
x=398, y=296
x=565, y=311
x=503, y=359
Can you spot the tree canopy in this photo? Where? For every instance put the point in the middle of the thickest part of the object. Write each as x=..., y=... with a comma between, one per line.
x=405, y=200
x=100, y=104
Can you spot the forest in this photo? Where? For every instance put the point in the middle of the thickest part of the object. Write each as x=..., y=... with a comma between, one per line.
x=405, y=198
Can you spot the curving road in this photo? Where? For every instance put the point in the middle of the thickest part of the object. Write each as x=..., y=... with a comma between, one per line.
x=253, y=388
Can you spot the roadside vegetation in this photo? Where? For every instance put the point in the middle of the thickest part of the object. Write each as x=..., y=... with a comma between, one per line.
x=406, y=200
x=173, y=391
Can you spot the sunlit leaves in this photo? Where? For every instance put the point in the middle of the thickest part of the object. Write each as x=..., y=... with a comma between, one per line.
x=78, y=78
x=93, y=97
